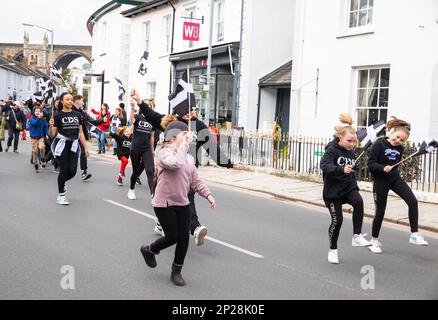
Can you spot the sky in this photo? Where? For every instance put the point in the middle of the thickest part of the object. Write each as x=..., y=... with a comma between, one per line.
x=68, y=18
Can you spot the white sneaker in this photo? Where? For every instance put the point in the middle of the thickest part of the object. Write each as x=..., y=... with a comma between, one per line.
x=199, y=234
x=131, y=194
x=333, y=256
x=375, y=246
x=158, y=229
x=417, y=239
x=62, y=200
x=360, y=241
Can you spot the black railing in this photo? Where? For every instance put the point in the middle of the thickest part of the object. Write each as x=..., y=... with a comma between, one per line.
x=303, y=155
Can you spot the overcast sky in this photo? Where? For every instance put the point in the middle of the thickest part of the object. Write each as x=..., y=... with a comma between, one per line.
x=68, y=18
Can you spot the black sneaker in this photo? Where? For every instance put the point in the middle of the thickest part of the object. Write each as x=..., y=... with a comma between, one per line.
x=139, y=182
x=85, y=176
x=99, y=151
x=148, y=256
x=36, y=167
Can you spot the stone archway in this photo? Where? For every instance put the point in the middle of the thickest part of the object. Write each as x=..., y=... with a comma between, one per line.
x=63, y=60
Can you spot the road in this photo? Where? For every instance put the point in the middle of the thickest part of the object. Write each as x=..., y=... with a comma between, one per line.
x=259, y=247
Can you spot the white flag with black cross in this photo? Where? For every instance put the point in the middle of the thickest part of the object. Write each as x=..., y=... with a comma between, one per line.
x=122, y=90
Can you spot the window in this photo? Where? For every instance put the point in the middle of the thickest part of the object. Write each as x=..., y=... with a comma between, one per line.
x=220, y=20
x=151, y=90
x=166, y=33
x=191, y=12
x=146, y=34
x=372, y=96
x=361, y=13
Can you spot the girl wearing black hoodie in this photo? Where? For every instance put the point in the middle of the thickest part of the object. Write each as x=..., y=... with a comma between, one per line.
x=340, y=185
x=384, y=154
x=123, y=138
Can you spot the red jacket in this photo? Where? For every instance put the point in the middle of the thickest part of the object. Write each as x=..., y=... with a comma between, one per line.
x=104, y=126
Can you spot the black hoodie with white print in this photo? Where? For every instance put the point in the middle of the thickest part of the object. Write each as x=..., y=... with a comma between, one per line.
x=337, y=184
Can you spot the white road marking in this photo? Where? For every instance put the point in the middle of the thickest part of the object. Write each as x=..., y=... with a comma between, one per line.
x=150, y=216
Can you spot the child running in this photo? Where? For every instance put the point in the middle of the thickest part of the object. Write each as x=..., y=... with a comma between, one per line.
x=123, y=149
x=340, y=185
x=66, y=129
x=384, y=154
x=176, y=175
x=38, y=129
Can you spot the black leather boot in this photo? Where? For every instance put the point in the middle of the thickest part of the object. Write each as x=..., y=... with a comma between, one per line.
x=176, y=276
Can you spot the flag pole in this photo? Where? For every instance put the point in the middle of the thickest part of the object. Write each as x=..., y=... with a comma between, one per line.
x=399, y=163
x=188, y=93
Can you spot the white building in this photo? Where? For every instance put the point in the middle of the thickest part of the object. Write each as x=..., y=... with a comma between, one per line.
x=375, y=59
x=110, y=33
x=17, y=81
x=158, y=26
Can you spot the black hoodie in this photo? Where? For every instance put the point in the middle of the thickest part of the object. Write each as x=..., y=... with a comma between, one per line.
x=204, y=136
x=383, y=154
x=337, y=184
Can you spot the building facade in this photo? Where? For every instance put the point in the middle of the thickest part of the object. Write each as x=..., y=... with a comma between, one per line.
x=372, y=59
x=241, y=56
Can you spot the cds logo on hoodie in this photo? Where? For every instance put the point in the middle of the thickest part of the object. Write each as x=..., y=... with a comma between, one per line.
x=343, y=161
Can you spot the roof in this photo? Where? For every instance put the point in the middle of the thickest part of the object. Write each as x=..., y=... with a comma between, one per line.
x=281, y=77
x=20, y=68
x=147, y=5
x=110, y=6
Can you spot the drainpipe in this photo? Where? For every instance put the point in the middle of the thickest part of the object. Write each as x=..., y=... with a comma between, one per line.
x=239, y=68
x=258, y=107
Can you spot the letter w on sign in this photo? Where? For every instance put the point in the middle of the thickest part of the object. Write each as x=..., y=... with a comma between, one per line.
x=191, y=31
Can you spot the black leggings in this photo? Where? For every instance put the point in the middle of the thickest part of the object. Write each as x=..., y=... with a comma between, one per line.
x=381, y=189
x=335, y=207
x=142, y=160
x=68, y=165
x=13, y=135
x=194, y=220
x=175, y=222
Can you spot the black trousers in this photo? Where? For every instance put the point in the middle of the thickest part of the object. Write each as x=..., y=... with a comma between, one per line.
x=194, y=220
x=13, y=135
x=175, y=222
x=68, y=166
x=140, y=161
x=381, y=189
x=335, y=208
x=83, y=160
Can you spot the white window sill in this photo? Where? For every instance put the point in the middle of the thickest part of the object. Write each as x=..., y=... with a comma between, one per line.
x=355, y=32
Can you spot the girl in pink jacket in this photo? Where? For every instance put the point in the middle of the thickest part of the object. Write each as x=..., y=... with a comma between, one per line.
x=176, y=174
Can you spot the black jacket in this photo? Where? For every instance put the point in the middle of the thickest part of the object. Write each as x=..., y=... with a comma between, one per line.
x=383, y=154
x=123, y=145
x=337, y=184
x=87, y=118
x=204, y=139
x=19, y=114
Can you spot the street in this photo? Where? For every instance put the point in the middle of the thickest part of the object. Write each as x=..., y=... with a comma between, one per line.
x=258, y=247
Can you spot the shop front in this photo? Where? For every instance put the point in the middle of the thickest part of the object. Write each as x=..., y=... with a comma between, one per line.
x=221, y=98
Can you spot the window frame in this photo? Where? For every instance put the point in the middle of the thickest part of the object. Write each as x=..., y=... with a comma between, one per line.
x=358, y=12
x=379, y=88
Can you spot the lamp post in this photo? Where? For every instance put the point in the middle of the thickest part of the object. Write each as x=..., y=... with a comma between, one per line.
x=50, y=30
